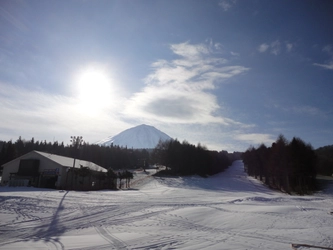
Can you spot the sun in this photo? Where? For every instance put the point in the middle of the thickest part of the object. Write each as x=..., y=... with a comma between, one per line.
x=93, y=89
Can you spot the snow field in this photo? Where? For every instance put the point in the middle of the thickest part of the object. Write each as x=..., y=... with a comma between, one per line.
x=225, y=211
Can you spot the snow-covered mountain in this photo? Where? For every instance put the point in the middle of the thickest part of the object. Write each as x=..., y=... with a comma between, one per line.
x=142, y=136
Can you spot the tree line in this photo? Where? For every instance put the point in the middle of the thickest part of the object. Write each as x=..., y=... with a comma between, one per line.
x=187, y=159
x=114, y=157
x=325, y=160
x=287, y=166
x=180, y=158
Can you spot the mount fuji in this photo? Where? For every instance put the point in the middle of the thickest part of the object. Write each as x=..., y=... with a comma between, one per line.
x=139, y=137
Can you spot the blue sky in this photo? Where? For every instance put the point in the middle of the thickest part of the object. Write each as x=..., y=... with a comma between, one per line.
x=225, y=73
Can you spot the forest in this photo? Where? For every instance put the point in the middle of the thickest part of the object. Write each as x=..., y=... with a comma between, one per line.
x=287, y=166
x=180, y=158
x=114, y=157
x=187, y=159
x=325, y=160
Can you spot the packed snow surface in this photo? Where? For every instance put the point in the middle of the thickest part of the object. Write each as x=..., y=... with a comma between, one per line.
x=139, y=137
x=225, y=211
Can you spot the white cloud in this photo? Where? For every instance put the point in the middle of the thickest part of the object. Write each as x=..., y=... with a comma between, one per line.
x=190, y=51
x=289, y=46
x=174, y=105
x=263, y=47
x=227, y=4
x=46, y=116
x=308, y=110
x=177, y=91
x=234, y=53
x=302, y=110
x=218, y=46
x=328, y=50
x=325, y=66
x=255, y=138
x=276, y=47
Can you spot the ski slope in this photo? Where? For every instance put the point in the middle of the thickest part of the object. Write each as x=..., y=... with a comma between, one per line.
x=225, y=211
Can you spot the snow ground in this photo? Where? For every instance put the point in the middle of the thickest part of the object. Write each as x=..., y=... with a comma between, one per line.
x=225, y=211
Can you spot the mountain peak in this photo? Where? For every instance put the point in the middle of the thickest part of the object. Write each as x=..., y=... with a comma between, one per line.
x=139, y=137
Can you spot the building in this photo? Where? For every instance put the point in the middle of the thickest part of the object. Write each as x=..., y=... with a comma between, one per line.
x=47, y=170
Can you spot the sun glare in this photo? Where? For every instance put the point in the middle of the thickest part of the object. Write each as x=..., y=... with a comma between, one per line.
x=94, y=90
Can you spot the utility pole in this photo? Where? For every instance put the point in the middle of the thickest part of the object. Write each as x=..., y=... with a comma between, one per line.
x=76, y=143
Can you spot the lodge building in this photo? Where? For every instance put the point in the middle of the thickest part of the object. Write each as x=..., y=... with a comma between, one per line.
x=45, y=170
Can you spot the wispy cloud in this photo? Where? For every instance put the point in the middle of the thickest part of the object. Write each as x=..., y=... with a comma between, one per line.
x=306, y=110
x=289, y=46
x=227, y=4
x=329, y=65
x=234, y=53
x=255, y=138
x=46, y=116
x=12, y=20
x=177, y=91
x=328, y=49
x=263, y=47
x=276, y=47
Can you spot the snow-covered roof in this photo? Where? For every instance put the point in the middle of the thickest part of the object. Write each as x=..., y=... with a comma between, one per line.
x=68, y=162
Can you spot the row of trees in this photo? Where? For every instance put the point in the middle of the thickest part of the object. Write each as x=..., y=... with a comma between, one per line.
x=325, y=160
x=186, y=159
x=288, y=166
x=182, y=158
x=112, y=158
x=108, y=157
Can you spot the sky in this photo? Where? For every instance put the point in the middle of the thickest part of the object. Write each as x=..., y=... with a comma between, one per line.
x=228, y=74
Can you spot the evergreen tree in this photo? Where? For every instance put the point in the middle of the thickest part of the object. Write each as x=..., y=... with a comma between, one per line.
x=324, y=164
x=289, y=167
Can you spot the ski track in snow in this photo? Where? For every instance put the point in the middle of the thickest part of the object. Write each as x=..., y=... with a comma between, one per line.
x=225, y=211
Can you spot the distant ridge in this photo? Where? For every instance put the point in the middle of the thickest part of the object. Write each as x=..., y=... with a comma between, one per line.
x=139, y=137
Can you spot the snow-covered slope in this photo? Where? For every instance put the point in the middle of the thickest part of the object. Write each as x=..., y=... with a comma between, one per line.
x=142, y=136
x=227, y=211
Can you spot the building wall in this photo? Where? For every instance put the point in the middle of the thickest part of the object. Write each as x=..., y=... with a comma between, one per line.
x=48, y=166
x=45, y=166
x=11, y=167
